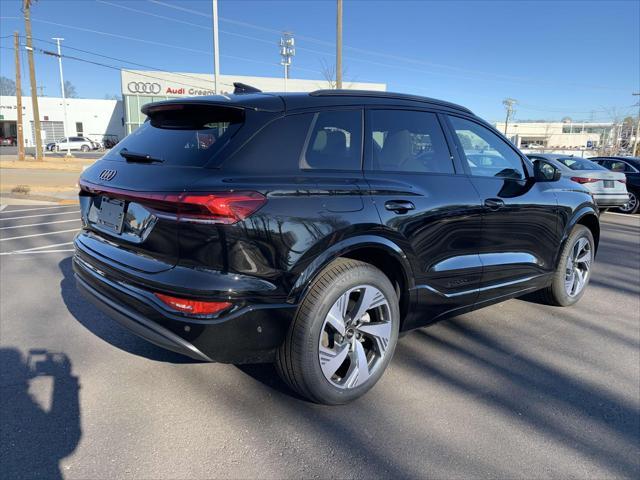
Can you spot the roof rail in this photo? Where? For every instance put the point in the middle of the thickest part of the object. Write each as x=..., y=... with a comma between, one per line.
x=378, y=94
x=240, y=88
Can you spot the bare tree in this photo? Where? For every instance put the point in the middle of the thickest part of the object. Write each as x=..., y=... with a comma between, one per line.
x=329, y=74
x=7, y=86
x=70, y=90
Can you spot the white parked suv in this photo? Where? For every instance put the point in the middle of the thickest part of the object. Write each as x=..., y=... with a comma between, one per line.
x=74, y=143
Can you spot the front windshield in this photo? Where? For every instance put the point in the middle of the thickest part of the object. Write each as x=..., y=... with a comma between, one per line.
x=579, y=164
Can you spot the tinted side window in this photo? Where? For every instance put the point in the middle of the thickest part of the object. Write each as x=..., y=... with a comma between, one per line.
x=486, y=153
x=408, y=141
x=617, y=166
x=334, y=141
x=276, y=148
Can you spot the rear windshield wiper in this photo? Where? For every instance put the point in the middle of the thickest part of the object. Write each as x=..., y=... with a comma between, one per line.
x=138, y=157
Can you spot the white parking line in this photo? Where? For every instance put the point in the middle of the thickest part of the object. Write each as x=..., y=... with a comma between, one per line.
x=40, y=208
x=41, y=215
x=21, y=252
x=45, y=246
x=2, y=207
x=38, y=224
x=38, y=234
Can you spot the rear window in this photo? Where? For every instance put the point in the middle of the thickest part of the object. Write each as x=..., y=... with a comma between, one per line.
x=579, y=164
x=189, y=135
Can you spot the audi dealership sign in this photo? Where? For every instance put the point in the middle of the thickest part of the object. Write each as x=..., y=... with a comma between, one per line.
x=152, y=88
x=149, y=83
x=165, y=84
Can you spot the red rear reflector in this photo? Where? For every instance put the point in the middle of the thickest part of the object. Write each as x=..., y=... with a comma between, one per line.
x=194, y=307
x=585, y=180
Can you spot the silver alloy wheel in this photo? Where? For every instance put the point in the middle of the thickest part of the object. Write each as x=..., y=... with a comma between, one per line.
x=578, y=267
x=355, y=336
x=631, y=204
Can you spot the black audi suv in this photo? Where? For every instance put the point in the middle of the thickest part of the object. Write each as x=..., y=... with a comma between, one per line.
x=310, y=229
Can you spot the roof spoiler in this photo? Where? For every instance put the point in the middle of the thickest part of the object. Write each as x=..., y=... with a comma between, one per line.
x=240, y=88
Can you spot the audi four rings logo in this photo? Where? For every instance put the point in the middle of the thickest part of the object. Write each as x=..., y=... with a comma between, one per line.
x=144, y=87
x=107, y=175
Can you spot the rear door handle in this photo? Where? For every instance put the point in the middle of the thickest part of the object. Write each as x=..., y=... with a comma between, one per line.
x=493, y=203
x=399, y=206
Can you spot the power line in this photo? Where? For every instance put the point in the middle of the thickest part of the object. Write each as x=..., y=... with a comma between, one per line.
x=116, y=67
x=395, y=57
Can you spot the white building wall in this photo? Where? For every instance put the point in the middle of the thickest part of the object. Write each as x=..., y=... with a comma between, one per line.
x=554, y=134
x=98, y=117
x=163, y=84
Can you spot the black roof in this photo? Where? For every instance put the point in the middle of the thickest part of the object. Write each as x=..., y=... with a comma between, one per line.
x=387, y=95
x=276, y=102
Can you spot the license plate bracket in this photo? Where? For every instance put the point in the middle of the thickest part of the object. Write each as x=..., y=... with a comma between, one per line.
x=111, y=214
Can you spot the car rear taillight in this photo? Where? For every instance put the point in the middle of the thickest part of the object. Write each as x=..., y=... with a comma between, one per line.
x=228, y=208
x=585, y=180
x=219, y=207
x=193, y=307
x=623, y=180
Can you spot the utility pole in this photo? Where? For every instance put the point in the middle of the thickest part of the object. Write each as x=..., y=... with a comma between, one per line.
x=16, y=45
x=26, y=6
x=64, y=99
x=339, y=45
x=287, y=52
x=634, y=152
x=508, y=104
x=216, y=51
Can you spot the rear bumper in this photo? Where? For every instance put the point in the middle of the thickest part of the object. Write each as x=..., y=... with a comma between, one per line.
x=249, y=334
x=610, y=199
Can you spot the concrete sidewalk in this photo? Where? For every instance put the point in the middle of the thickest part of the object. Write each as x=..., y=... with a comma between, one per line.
x=50, y=185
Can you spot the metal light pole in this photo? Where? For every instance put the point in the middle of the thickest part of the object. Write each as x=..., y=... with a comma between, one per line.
x=635, y=139
x=339, y=45
x=287, y=52
x=64, y=99
x=216, y=52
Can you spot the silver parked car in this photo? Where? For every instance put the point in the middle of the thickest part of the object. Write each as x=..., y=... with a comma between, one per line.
x=609, y=189
x=74, y=143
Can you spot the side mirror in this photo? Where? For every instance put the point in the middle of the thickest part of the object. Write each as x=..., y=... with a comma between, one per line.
x=545, y=172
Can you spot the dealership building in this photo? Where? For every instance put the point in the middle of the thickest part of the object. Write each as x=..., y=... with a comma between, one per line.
x=97, y=119
x=557, y=135
x=140, y=87
x=86, y=117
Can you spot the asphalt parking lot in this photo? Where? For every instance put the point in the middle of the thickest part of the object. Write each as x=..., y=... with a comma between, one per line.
x=517, y=390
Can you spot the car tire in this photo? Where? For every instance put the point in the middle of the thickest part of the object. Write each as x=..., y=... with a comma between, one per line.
x=314, y=347
x=573, y=270
x=84, y=148
x=633, y=205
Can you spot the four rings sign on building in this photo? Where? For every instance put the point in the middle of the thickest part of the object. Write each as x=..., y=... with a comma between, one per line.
x=140, y=87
